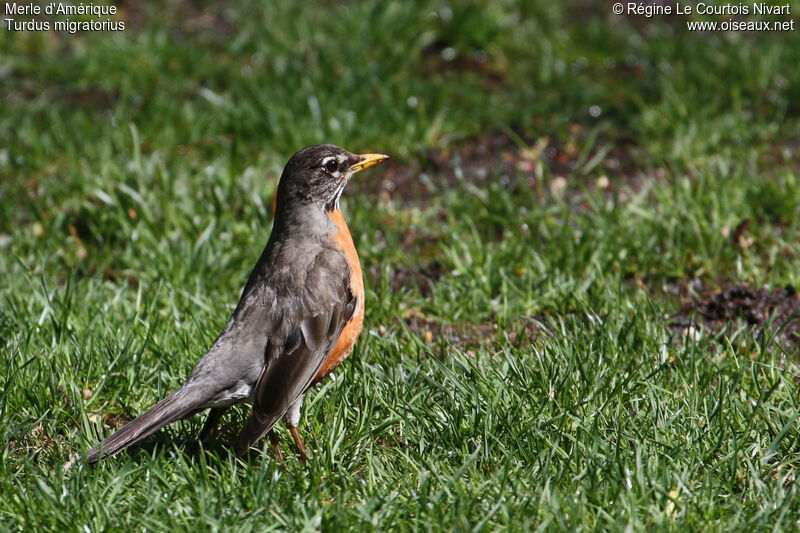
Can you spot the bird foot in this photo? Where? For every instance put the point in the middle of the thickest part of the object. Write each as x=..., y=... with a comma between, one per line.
x=275, y=446
x=300, y=446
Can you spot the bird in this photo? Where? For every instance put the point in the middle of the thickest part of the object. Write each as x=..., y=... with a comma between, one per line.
x=297, y=319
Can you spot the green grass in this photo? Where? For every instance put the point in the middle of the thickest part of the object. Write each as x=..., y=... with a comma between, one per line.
x=159, y=149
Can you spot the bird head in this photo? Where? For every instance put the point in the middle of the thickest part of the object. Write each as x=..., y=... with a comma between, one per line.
x=318, y=174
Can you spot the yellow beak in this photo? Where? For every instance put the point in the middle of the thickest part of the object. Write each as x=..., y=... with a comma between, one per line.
x=368, y=160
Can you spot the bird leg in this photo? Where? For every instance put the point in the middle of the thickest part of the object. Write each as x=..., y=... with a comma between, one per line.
x=257, y=425
x=299, y=442
x=274, y=440
x=292, y=420
x=211, y=425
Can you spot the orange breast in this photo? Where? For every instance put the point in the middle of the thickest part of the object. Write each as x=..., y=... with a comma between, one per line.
x=353, y=328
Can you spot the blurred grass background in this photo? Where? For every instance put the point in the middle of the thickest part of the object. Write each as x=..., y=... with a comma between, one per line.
x=136, y=170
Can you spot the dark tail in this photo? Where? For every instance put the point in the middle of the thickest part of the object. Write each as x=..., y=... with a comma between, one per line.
x=177, y=405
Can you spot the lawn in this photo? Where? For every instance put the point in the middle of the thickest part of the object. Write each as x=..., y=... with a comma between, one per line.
x=580, y=265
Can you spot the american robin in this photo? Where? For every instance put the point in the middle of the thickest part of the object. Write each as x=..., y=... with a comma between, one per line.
x=299, y=315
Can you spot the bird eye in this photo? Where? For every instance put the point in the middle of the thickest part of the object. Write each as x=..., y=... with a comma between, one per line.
x=331, y=164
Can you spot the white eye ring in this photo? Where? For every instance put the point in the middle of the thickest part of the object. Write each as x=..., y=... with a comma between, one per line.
x=331, y=164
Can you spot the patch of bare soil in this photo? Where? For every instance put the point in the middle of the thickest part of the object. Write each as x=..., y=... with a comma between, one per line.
x=116, y=420
x=422, y=276
x=32, y=444
x=782, y=154
x=576, y=162
x=441, y=57
x=392, y=441
x=193, y=17
x=744, y=305
x=519, y=331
